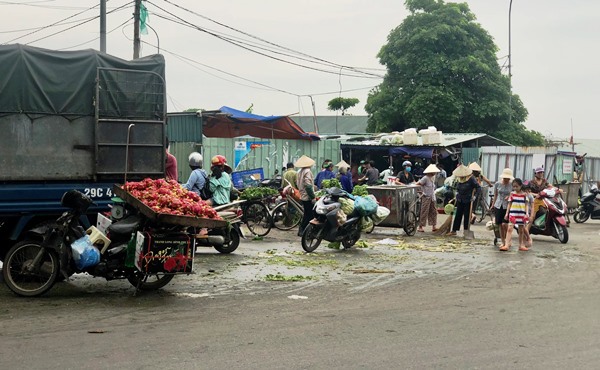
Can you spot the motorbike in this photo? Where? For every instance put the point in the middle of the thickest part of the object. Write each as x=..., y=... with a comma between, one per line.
x=34, y=265
x=274, y=182
x=325, y=224
x=589, y=207
x=550, y=219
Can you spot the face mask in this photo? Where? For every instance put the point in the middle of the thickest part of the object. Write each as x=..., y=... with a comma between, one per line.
x=408, y=169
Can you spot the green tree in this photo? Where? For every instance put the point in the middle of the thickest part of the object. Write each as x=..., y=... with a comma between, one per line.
x=342, y=104
x=442, y=70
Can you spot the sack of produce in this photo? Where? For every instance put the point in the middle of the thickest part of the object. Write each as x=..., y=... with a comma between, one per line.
x=365, y=206
x=380, y=215
x=347, y=206
x=366, y=223
x=341, y=217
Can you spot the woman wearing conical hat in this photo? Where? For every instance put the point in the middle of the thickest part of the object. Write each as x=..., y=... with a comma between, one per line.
x=305, y=183
x=467, y=185
x=428, y=210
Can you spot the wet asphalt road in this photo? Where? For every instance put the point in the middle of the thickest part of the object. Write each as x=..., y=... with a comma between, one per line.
x=399, y=302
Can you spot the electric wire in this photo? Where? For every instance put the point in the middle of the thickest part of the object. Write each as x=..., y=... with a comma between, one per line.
x=79, y=24
x=36, y=28
x=53, y=24
x=244, y=42
x=96, y=38
x=255, y=51
x=356, y=69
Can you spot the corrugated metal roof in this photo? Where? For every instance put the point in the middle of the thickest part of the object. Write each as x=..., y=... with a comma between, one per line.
x=184, y=127
x=449, y=139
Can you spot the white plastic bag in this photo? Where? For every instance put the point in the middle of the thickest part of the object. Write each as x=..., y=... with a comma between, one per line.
x=380, y=215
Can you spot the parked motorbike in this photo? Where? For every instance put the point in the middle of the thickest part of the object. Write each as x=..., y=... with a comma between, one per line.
x=589, y=207
x=32, y=266
x=550, y=219
x=274, y=183
x=325, y=224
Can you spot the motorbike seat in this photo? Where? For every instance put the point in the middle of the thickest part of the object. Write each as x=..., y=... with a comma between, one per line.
x=124, y=227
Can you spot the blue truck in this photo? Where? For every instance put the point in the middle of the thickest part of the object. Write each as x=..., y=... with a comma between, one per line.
x=74, y=120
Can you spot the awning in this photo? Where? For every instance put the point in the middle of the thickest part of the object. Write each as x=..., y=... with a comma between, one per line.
x=230, y=123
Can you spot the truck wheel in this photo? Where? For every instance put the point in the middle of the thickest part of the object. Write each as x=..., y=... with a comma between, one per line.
x=30, y=283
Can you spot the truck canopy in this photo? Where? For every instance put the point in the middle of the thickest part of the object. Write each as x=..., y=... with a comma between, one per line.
x=42, y=81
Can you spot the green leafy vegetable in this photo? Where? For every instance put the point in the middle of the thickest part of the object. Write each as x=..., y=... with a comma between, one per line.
x=332, y=183
x=360, y=190
x=258, y=193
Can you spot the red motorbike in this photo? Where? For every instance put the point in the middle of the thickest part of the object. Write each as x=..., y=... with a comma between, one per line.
x=550, y=219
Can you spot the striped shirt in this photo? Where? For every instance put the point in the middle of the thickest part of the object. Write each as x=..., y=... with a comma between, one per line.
x=517, y=214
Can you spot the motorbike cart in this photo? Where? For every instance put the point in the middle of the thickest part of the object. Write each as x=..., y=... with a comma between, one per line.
x=223, y=235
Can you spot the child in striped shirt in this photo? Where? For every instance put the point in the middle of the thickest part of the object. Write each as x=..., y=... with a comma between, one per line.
x=517, y=215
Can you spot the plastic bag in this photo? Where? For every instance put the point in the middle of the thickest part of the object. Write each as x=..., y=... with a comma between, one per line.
x=365, y=206
x=84, y=253
x=380, y=215
x=347, y=206
x=366, y=223
x=540, y=222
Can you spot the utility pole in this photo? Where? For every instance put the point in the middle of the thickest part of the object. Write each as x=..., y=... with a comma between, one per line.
x=103, y=26
x=509, y=64
x=136, y=29
x=314, y=115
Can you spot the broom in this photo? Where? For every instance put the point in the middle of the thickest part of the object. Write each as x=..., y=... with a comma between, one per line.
x=447, y=225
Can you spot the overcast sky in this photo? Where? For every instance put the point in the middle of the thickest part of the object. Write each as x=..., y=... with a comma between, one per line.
x=554, y=48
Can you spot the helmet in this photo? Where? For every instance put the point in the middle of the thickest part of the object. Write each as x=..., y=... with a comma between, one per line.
x=218, y=160
x=195, y=159
x=406, y=163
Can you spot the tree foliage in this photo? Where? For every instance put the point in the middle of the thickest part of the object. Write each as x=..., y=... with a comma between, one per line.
x=442, y=70
x=342, y=104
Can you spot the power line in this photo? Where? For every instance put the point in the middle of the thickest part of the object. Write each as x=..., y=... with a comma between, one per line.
x=245, y=42
x=96, y=38
x=79, y=24
x=252, y=50
x=53, y=24
x=269, y=42
x=37, y=28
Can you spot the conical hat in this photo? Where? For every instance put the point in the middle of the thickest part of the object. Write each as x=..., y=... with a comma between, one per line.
x=507, y=173
x=343, y=163
x=462, y=171
x=304, y=161
x=475, y=167
x=432, y=168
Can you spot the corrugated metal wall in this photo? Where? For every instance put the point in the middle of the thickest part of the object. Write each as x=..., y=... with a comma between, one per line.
x=521, y=161
x=184, y=127
x=276, y=154
x=470, y=155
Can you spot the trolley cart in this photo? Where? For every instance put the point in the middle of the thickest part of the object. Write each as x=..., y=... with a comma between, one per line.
x=402, y=201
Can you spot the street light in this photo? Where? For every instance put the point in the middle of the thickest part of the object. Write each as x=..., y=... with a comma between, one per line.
x=509, y=65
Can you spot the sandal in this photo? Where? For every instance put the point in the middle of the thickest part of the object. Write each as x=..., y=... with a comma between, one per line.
x=434, y=229
x=523, y=248
x=421, y=230
x=451, y=233
x=503, y=248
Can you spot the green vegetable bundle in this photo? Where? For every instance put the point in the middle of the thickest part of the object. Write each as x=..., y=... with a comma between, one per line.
x=332, y=183
x=258, y=193
x=360, y=190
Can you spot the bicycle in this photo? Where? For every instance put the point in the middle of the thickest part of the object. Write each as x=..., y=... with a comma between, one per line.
x=410, y=218
x=253, y=213
x=287, y=214
x=481, y=208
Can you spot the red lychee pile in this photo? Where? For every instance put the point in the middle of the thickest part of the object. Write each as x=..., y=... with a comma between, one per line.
x=169, y=197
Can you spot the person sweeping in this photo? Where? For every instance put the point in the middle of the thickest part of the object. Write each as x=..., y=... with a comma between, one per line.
x=465, y=190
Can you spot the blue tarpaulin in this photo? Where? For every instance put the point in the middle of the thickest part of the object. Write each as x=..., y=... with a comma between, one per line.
x=421, y=152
